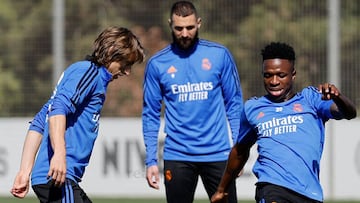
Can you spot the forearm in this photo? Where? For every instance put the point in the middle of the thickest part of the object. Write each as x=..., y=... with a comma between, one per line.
x=151, y=145
x=345, y=106
x=57, y=125
x=237, y=159
x=30, y=149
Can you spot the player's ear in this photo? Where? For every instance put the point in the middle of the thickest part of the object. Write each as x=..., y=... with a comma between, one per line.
x=293, y=74
x=199, y=23
x=169, y=21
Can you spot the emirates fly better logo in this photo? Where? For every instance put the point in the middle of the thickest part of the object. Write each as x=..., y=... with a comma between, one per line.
x=277, y=126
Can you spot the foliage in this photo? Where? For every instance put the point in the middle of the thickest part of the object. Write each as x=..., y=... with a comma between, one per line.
x=243, y=26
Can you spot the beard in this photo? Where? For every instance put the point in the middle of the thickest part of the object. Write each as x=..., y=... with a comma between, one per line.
x=185, y=43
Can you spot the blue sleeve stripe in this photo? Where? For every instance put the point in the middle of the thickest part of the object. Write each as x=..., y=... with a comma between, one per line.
x=84, y=82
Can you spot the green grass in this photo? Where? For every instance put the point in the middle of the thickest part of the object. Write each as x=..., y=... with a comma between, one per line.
x=130, y=200
x=96, y=200
x=100, y=200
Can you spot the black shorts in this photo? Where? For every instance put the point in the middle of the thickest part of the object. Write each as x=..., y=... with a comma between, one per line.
x=269, y=193
x=181, y=179
x=70, y=192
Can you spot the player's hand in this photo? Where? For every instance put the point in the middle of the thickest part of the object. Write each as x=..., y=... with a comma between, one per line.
x=328, y=91
x=219, y=197
x=57, y=171
x=21, y=186
x=152, y=176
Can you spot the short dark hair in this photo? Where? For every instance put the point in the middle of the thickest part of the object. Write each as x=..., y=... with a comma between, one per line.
x=183, y=9
x=278, y=50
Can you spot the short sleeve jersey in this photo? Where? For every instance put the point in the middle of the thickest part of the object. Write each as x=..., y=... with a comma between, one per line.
x=290, y=140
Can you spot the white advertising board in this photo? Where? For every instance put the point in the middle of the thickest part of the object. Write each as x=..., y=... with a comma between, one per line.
x=117, y=166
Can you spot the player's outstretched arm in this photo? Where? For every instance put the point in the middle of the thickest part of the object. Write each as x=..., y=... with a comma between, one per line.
x=237, y=158
x=343, y=107
x=21, y=183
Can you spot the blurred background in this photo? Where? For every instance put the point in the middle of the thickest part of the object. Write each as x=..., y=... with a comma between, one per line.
x=40, y=38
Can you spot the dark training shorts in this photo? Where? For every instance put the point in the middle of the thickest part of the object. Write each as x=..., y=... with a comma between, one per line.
x=270, y=193
x=181, y=178
x=70, y=192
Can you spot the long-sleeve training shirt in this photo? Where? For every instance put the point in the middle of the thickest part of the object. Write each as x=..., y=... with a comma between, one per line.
x=79, y=95
x=201, y=90
x=290, y=138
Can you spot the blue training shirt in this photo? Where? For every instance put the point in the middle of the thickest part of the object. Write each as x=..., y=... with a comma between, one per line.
x=80, y=95
x=201, y=90
x=290, y=139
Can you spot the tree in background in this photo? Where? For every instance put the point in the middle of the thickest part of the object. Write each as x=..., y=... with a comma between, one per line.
x=243, y=26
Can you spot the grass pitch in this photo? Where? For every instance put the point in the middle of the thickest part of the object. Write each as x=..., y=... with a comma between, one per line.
x=132, y=200
x=102, y=200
